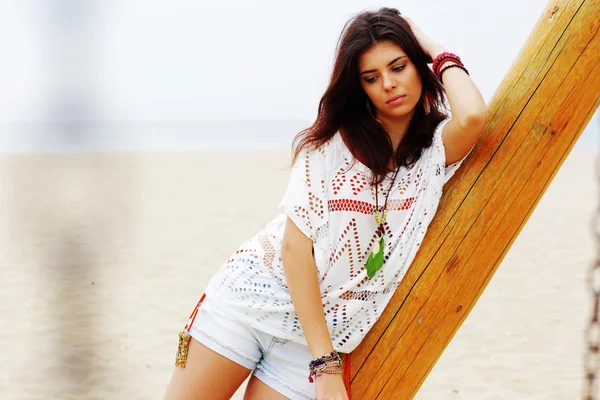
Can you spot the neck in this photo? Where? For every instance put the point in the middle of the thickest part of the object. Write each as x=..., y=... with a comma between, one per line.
x=396, y=127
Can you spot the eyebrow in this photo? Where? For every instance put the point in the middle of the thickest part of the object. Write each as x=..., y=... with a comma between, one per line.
x=374, y=70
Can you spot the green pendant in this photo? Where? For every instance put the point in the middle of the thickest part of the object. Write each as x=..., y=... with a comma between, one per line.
x=375, y=260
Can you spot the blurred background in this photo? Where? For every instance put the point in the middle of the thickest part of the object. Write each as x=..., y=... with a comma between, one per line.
x=132, y=75
x=141, y=142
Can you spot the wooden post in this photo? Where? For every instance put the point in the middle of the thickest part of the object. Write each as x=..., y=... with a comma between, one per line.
x=535, y=118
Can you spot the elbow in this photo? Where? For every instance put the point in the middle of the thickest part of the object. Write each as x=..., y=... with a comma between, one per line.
x=475, y=121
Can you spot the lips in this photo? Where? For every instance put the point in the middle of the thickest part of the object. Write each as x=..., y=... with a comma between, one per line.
x=394, y=98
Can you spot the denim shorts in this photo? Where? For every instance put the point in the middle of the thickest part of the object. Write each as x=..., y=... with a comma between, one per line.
x=279, y=363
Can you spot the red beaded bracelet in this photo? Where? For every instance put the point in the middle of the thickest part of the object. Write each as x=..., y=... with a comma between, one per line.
x=438, y=67
x=443, y=62
x=442, y=57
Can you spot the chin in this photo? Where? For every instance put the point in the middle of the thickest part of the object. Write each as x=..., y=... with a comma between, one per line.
x=400, y=112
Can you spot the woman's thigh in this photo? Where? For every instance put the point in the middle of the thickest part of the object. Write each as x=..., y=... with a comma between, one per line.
x=207, y=375
x=221, y=355
x=258, y=390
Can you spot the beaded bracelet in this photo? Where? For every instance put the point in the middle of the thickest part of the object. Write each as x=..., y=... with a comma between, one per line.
x=447, y=53
x=444, y=62
x=332, y=371
x=326, y=371
x=444, y=56
x=329, y=356
x=452, y=66
x=330, y=363
x=322, y=369
x=318, y=365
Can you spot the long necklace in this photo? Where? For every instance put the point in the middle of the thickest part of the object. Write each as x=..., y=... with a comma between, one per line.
x=376, y=258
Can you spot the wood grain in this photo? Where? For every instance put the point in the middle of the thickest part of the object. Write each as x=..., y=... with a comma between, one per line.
x=535, y=117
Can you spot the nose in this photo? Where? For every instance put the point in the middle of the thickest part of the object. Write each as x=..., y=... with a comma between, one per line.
x=388, y=82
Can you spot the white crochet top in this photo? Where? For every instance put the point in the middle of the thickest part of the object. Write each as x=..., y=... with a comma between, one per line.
x=334, y=207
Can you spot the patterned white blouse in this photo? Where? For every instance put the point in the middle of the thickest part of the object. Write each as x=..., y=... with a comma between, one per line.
x=330, y=200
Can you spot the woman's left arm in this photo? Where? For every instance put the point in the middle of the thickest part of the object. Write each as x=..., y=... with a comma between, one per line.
x=467, y=105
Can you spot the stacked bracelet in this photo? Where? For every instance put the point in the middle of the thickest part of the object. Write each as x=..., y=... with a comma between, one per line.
x=451, y=66
x=318, y=366
x=441, y=59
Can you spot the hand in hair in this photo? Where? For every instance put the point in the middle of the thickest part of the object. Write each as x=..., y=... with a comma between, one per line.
x=428, y=46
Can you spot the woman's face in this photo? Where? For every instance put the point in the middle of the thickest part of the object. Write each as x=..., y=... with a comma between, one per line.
x=386, y=71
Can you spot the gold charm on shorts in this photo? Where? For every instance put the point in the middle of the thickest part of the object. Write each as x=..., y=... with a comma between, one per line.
x=182, y=350
x=185, y=338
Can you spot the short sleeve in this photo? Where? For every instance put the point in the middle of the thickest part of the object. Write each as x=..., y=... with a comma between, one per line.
x=305, y=200
x=451, y=168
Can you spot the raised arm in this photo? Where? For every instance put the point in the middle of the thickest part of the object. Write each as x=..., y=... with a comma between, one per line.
x=467, y=105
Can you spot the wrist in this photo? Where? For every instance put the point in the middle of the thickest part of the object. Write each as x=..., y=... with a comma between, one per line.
x=318, y=352
x=444, y=58
x=330, y=363
x=435, y=50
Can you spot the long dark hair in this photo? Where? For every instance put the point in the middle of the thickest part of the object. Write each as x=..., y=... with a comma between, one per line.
x=343, y=106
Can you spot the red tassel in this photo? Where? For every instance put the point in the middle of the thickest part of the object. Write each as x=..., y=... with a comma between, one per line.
x=427, y=102
x=185, y=338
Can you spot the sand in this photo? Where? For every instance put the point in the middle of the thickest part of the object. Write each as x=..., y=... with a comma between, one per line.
x=104, y=256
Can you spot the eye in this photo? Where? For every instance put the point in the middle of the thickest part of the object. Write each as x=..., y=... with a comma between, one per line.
x=399, y=68
x=370, y=80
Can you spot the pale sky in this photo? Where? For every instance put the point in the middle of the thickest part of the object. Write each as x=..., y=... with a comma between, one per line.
x=190, y=60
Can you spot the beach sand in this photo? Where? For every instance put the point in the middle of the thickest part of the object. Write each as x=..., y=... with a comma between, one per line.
x=104, y=257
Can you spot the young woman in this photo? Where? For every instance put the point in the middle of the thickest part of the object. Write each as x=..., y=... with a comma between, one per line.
x=366, y=182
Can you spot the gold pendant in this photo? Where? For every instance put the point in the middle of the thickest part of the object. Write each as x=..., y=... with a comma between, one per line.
x=375, y=260
x=380, y=219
